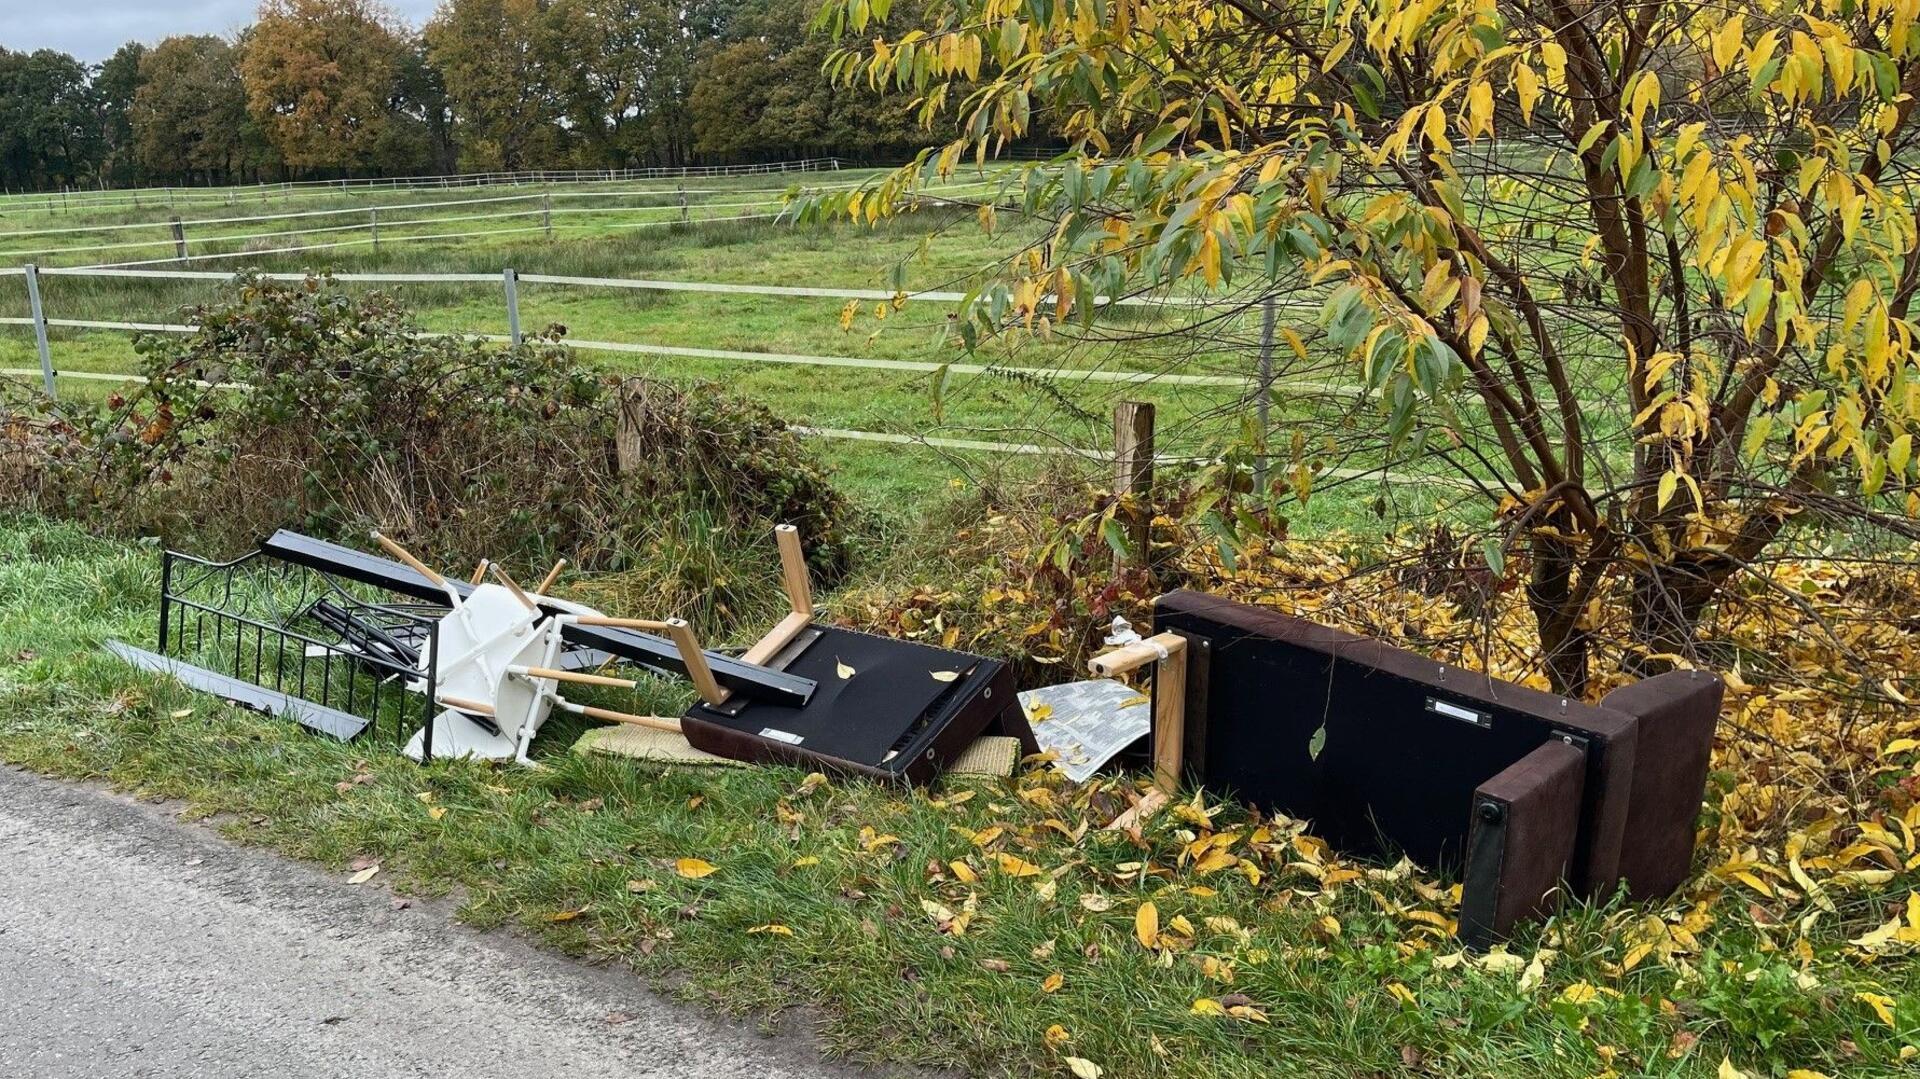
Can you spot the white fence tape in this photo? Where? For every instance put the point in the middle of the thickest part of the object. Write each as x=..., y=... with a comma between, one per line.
x=364, y=209
x=67, y=200
x=138, y=270
x=933, y=441
x=687, y=352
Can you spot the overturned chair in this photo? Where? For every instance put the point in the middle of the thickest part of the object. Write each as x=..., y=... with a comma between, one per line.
x=1528, y=795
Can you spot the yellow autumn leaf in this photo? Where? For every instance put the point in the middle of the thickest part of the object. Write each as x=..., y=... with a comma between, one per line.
x=694, y=868
x=774, y=928
x=436, y=812
x=1579, y=993
x=945, y=676
x=1881, y=1004
x=1207, y=1006
x=1728, y=1071
x=1402, y=994
x=1052, y=982
x=1057, y=1036
x=840, y=668
x=1083, y=1068
x=805, y=861
x=1017, y=867
x=963, y=871
x=1214, y=862
x=1146, y=925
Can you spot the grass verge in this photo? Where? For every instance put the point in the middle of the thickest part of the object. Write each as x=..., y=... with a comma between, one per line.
x=995, y=926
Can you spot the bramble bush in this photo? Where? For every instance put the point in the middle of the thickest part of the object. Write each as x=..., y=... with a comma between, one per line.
x=307, y=406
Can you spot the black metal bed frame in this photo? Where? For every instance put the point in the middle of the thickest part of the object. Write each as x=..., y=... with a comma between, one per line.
x=299, y=632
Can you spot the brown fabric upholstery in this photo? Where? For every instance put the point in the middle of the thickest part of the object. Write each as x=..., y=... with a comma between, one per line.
x=1387, y=751
x=1387, y=768
x=1676, y=714
x=1526, y=824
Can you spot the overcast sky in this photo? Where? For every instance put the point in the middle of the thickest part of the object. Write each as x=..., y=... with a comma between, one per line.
x=92, y=29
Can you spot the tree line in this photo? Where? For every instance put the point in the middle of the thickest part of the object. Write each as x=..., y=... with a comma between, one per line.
x=326, y=88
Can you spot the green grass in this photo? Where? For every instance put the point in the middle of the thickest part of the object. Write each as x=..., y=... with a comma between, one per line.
x=582, y=855
x=941, y=251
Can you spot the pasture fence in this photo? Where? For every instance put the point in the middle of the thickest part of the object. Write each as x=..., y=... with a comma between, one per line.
x=1260, y=382
x=70, y=198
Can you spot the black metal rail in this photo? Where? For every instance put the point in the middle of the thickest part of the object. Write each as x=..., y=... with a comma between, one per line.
x=297, y=632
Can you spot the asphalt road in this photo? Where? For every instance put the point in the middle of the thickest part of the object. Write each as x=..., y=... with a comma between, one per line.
x=134, y=945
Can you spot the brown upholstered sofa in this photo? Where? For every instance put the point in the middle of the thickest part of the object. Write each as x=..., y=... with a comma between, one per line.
x=1528, y=795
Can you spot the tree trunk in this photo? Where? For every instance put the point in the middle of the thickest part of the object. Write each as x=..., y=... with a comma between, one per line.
x=1564, y=644
x=1668, y=604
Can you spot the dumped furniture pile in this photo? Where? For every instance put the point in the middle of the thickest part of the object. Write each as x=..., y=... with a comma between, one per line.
x=1528, y=797
x=343, y=641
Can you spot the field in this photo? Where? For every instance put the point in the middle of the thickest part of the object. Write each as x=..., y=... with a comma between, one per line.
x=1034, y=396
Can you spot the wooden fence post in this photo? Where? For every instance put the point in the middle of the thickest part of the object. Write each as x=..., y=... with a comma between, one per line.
x=627, y=445
x=546, y=213
x=373, y=223
x=1133, y=475
x=179, y=238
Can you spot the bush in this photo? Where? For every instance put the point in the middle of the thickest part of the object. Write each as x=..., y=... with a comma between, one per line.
x=306, y=406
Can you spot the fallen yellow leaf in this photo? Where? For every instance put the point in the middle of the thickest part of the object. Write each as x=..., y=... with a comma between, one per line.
x=1146, y=925
x=1053, y=982
x=1017, y=867
x=1881, y=1004
x=694, y=868
x=775, y=929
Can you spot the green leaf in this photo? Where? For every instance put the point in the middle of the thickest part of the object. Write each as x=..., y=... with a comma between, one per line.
x=1159, y=137
x=1495, y=550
